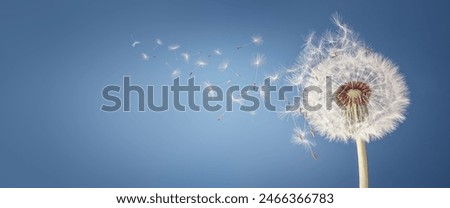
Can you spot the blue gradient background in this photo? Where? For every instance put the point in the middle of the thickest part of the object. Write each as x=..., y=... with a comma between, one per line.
x=56, y=57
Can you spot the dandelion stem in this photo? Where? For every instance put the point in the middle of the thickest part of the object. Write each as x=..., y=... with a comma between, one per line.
x=362, y=164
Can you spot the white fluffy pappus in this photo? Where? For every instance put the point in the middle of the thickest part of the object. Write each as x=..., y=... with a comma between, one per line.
x=371, y=95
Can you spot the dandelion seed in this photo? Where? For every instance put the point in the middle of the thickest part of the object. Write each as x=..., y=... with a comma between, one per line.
x=258, y=61
x=217, y=52
x=256, y=40
x=273, y=77
x=173, y=47
x=185, y=56
x=134, y=42
x=201, y=63
x=225, y=65
x=145, y=57
x=371, y=95
x=209, y=88
x=176, y=73
x=237, y=100
x=300, y=138
x=158, y=43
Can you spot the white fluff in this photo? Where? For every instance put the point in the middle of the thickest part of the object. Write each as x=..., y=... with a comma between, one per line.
x=345, y=58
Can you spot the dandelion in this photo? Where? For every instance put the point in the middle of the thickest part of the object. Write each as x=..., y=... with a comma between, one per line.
x=225, y=65
x=371, y=96
x=201, y=63
x=255, y=40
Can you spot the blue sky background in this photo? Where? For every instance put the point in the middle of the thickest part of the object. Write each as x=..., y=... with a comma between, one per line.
x=56, y=57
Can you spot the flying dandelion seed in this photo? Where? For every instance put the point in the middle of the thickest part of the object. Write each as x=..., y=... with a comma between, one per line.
x=258, y=61
x=255, y=40
x=175, y=73
x=274, y=77
x=208, y=87
x=225, y=65
x=201, y=63
x=145, y=57
x=300, y=137
x=158, y=43
x=216, y=52
x=173, y=47
x=185, y=56
x=134, y=42
x=237, y=100
x=371, y=96
x=221, y=116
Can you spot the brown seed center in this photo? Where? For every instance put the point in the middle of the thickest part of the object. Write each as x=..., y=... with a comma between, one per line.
x=354, y=98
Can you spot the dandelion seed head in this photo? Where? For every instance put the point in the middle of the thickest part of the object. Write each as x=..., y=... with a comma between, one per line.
x=371, y=95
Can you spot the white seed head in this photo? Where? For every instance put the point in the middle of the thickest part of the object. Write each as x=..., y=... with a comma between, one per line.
x=371, y=96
